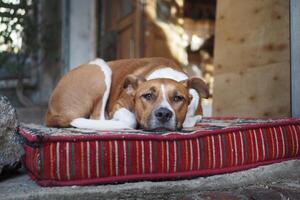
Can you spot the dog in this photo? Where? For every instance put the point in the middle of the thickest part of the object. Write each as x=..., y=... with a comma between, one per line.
x=147, y=93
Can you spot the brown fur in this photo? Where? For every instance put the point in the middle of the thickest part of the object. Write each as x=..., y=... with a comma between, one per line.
x=77, y=94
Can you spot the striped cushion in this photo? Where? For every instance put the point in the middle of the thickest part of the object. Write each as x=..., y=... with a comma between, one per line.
x=214, y=146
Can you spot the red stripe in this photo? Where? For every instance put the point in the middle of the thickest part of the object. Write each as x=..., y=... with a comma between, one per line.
x=77, y=161
x=107, y=159
x=138, y=157
x=253, y=147
x=146, y=156
x=238, y=148
x=93, y=159
x=270, y=143
x=273, y=139
x=229, y=150
x=291, y=140
x=46, y=161
x=171, y=155
x=205, y=152
x=113, y=158
x=62, y=161
x=54, y=165
x=195, y=158
x=120, y=158
x=163, y=156
x=182, y=154
x=259, y=144
x=187, y=157
x=280, y=142
x=134, y=158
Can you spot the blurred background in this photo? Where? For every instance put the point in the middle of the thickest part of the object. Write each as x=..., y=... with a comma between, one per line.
x=240, y=48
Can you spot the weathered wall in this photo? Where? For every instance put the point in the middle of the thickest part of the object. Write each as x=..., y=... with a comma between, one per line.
x=252, y=58
x=295, y=56
x=82, y=32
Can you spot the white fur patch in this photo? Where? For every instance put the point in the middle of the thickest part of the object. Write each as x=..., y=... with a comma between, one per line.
x=167, y=72
x=99, y=124
x=125, y=116
x=165, y=103
x=107, y=78
x=194, y=103
x=191, y=119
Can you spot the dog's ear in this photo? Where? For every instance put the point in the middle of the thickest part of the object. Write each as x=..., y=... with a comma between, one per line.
x=132, y=82
x=198, y=84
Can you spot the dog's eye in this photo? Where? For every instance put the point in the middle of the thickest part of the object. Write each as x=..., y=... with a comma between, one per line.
x=178, y=98
x=148, y=96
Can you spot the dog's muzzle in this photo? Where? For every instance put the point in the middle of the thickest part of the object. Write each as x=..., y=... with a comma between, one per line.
x=163, y=115
x=162, y=118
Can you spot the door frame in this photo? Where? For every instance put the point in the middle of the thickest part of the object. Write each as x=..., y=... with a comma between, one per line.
x=295, y=57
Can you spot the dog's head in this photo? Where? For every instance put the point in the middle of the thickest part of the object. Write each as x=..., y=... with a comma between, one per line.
x=161, y=104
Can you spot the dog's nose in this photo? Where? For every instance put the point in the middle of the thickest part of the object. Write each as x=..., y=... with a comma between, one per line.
x=163, y=114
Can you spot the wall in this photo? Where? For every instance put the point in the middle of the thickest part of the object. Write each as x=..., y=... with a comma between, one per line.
x=252, y=58
x=295, y=62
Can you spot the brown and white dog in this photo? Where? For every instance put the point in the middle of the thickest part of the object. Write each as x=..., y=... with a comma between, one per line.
x=147, y=93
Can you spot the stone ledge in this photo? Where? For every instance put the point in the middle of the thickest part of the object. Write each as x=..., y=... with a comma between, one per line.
x=266, y=181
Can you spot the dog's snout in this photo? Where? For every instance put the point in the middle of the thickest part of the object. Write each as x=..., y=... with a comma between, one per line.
x=163, y=114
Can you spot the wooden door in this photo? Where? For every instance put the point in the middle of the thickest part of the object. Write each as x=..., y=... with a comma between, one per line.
x=140, y=28
x=121, y=29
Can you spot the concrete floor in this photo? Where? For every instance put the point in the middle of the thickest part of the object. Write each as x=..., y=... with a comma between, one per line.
x=277, y=181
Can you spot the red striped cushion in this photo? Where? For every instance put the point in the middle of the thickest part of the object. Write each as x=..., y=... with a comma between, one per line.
x=74, y=157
